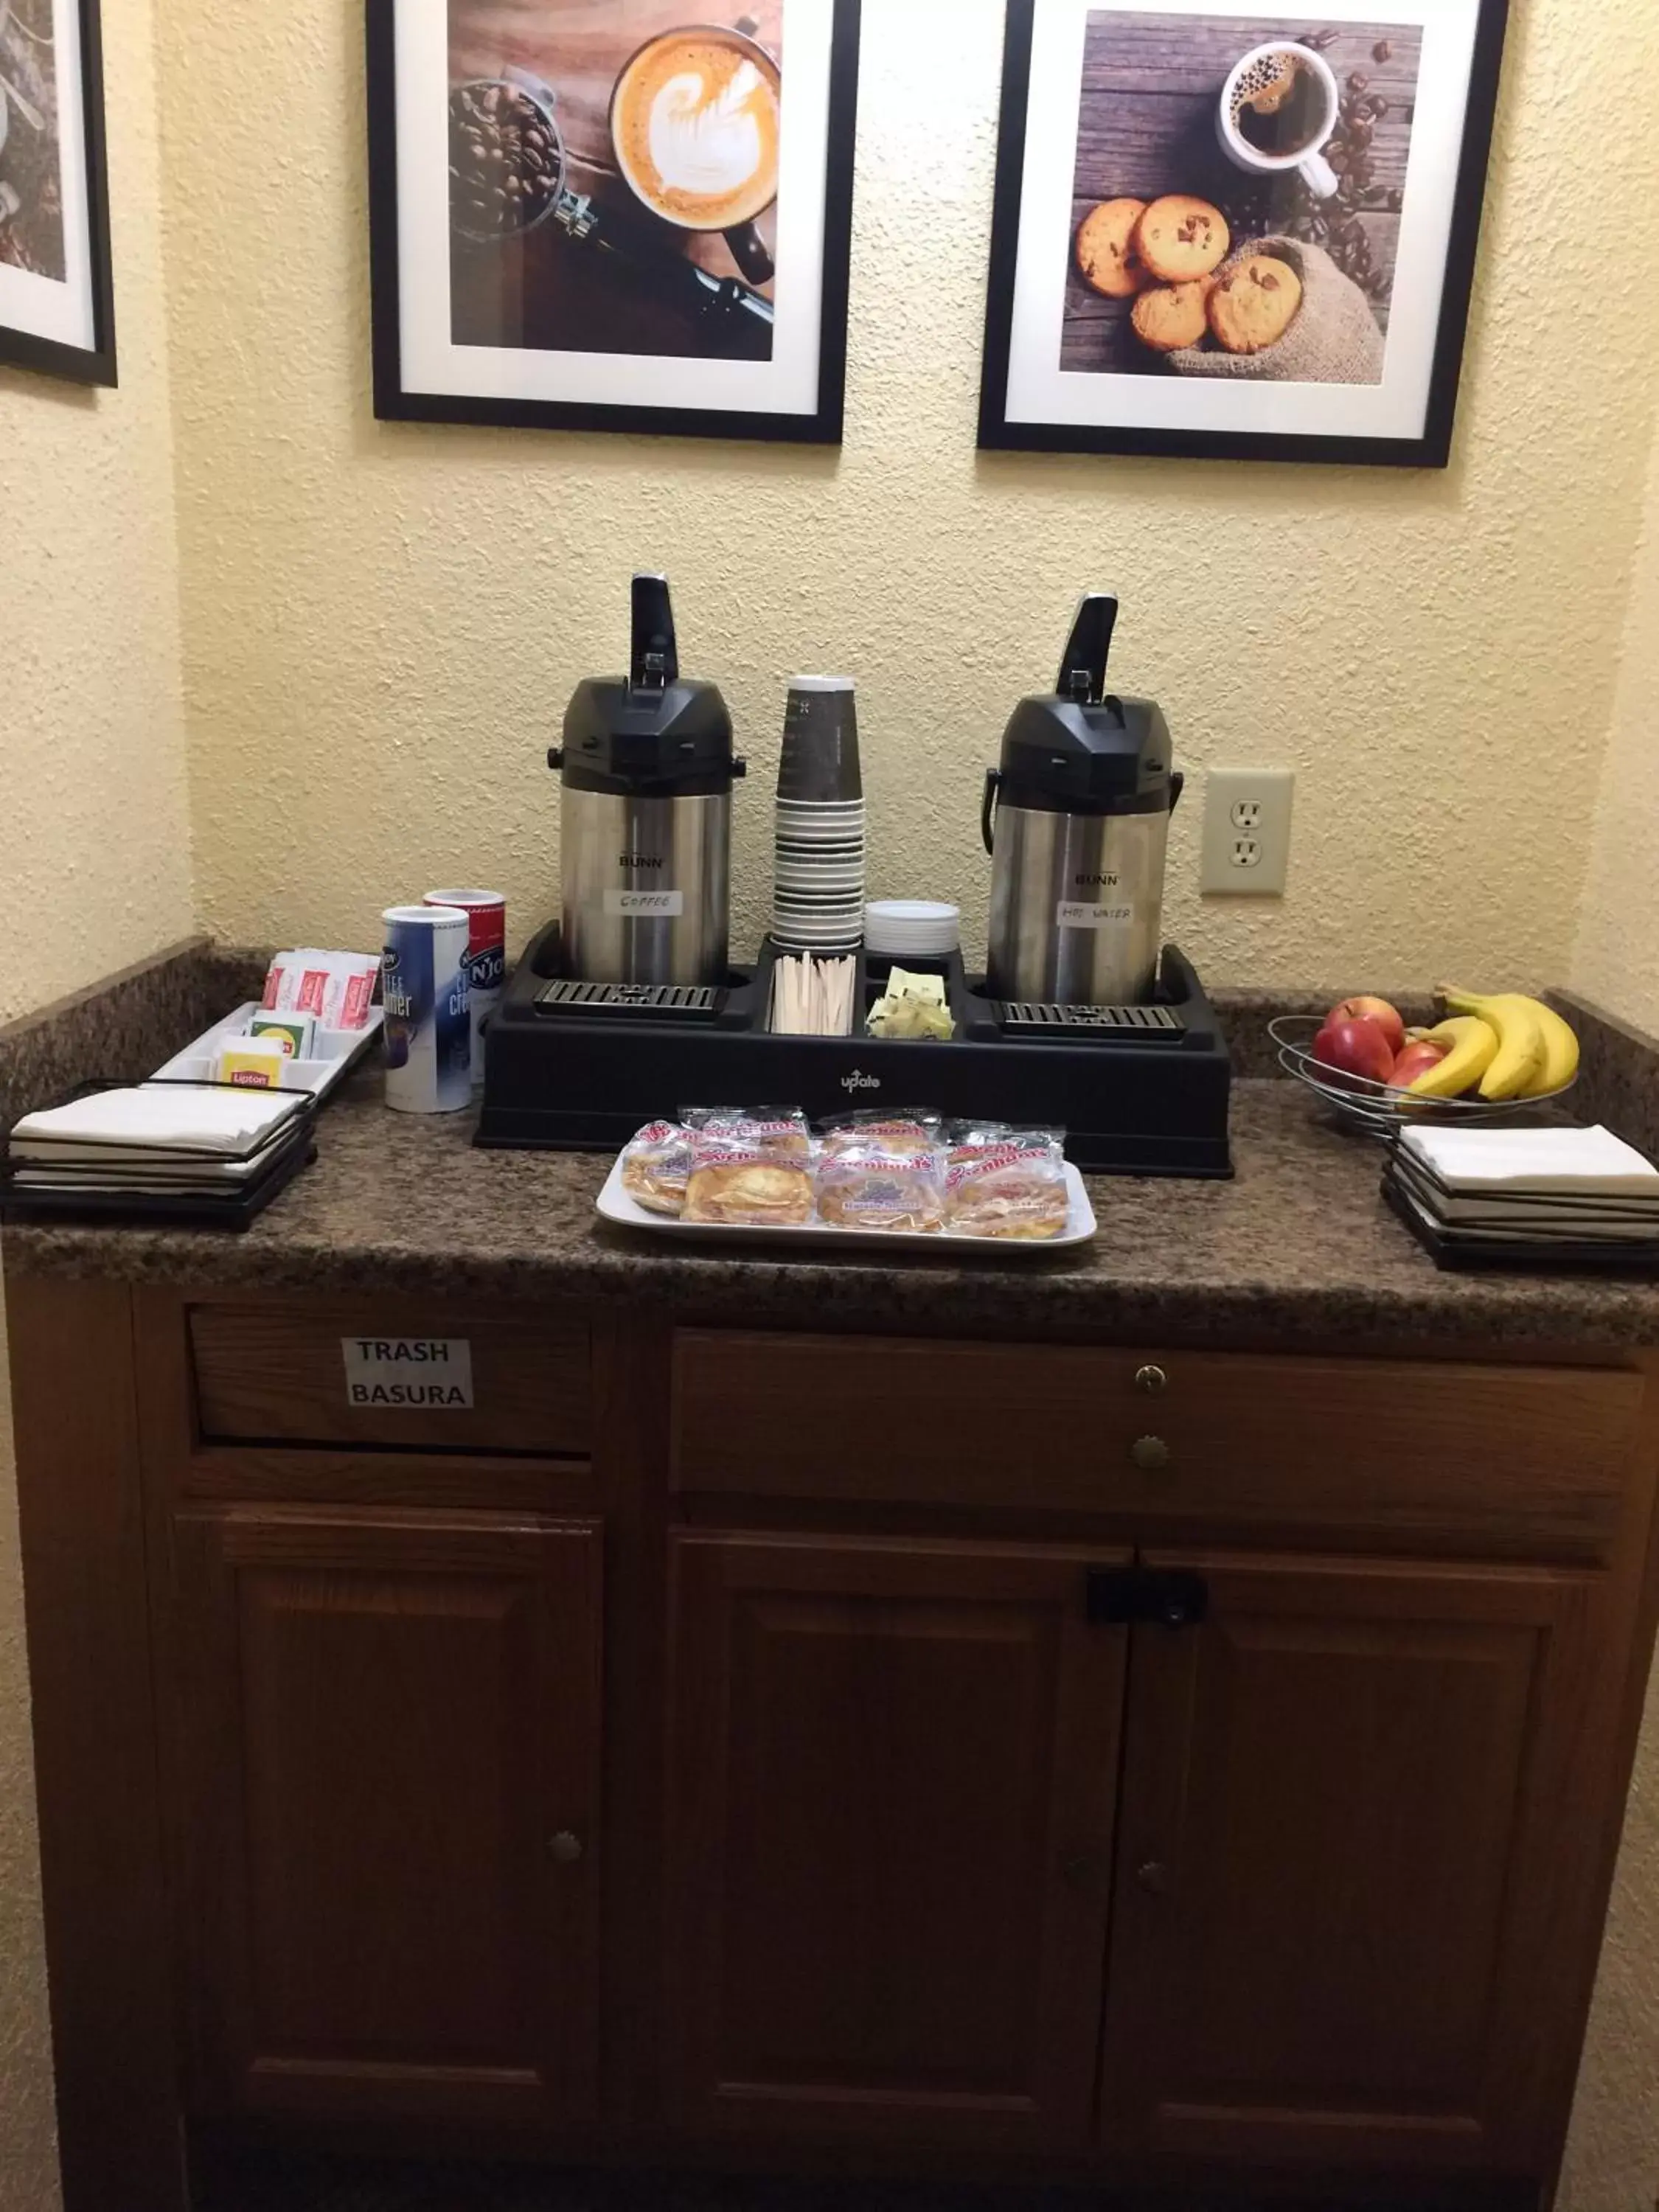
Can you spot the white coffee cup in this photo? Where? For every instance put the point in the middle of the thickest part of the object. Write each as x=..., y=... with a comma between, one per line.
x=1320, y=176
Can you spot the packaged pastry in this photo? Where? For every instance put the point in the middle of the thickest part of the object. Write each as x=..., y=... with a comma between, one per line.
x=782, y=1130
x=735, y=1184
x=657, y=1166
x=917, y=1132
x=1001, y=1182
x=884, y=1181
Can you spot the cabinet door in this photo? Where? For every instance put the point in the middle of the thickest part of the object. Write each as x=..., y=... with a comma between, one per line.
x=892, y=1785
x=389, y=1750
x=1346, y=1885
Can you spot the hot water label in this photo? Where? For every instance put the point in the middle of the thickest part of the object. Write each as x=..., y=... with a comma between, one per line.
x=1078, y=914
x=408, y=1374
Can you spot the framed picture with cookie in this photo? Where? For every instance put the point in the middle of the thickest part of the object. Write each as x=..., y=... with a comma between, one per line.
x=613, y=214
x=1225, y=234
x=56, y=292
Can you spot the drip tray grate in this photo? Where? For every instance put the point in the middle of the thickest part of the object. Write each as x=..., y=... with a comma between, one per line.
x=682, y=1002
x=1028, y=1019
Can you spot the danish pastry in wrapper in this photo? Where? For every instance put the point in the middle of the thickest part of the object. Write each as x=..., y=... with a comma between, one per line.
x=783, y=1131
x=889, y=1178
x=657, y=1167
x=917, y=1132
x=1007, y=1182
x=738, y=1185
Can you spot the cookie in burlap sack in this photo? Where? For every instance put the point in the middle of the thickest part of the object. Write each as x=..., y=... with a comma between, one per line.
x=1334, y=339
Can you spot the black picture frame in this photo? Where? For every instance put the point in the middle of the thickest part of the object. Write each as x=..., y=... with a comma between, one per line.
x=824, y=426
x=96, y=364
x=1432, y=450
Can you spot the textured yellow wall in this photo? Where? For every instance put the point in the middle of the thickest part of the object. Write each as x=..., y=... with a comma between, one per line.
x=1613, y=2160
x=1618, y=954
x=388, y=620
x=95, y=847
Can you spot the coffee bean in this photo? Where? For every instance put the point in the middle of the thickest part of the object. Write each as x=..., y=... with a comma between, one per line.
x=1359, y=82
x=1382, y=51
x=1379, y=106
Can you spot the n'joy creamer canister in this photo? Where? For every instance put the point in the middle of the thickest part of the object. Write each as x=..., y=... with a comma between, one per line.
x=428, y=1015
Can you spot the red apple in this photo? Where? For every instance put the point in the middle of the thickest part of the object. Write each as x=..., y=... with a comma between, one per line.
x=1416, y=1060
x=1355, y=1047
x=1388, y=1019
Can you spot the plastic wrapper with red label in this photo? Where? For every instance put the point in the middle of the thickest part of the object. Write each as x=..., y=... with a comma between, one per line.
x=338, y=988
x=657, y=1167
x=780, y=1131
x=883, y=1181
x=1006, y=1183
x=910, y=1132
x=736, y=1183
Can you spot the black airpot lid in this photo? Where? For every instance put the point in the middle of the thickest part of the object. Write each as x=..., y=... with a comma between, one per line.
x=1080, y=749
x=652, y=733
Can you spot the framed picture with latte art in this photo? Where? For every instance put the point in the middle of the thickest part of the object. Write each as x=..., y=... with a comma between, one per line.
x=1229, y=234
x=613, y=214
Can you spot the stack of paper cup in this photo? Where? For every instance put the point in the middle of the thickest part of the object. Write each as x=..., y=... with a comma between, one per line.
x=818, y=876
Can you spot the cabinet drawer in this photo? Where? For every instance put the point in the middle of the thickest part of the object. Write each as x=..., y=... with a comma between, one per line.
x=1529, y=1460
x=275, y=1373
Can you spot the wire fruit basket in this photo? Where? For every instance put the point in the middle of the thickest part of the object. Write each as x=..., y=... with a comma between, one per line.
x=1378, y=1109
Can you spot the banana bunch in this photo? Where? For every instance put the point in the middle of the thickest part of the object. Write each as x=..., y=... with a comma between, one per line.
x=1509, y=1046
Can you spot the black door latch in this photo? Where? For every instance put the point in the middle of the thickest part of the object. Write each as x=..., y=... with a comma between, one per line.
x=1135, y=1597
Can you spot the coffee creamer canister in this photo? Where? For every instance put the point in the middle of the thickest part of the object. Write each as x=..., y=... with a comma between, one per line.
x=428, y=1016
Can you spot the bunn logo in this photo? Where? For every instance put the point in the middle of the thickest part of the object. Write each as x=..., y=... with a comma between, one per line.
x=1109, y=881
x=857, y=1081
x=640, y=862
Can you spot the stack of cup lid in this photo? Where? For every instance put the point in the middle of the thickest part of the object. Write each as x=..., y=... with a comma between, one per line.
x=911, y=929
x=818, y=876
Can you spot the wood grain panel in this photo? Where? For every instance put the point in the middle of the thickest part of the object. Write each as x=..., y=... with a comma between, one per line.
x=385, y=1722
x=892, y=1774
x=270, y=1372
x=1338, y=1905
x=1532, y=1461
x=108, y=1954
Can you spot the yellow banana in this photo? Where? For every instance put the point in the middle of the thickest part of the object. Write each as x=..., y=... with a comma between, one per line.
x=1471, y=1047
x=1538, y=1053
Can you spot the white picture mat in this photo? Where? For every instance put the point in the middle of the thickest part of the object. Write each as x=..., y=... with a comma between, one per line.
x=1040, y=391
x=433, y=365
x=40, y=306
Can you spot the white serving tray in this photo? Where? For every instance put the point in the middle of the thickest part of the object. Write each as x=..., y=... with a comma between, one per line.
x=615, y=1205
x=338, y=1052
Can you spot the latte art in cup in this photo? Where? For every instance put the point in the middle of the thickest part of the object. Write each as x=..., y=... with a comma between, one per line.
x=695, y=125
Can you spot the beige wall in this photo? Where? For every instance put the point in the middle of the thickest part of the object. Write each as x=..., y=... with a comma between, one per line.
x=388, y=620
x=1614, y=2160
x=95, y=847
x=1617, y=961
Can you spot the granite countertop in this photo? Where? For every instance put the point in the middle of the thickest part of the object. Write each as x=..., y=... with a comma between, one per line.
x=1300, y=1248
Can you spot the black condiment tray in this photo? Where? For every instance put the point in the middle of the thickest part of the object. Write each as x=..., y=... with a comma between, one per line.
x=1145, y=1105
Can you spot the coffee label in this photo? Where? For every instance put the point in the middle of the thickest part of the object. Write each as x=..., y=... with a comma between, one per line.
x=408, y=1374
x=644, y=906
x=1077, y=913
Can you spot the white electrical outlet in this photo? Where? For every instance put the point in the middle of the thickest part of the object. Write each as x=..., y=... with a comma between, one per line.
x=1247, y=832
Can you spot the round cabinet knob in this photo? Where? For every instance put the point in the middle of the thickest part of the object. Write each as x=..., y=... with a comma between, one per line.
x=1154, y=1877
x=564, y=1848
x=1151, y=1381
x=1150, y=1454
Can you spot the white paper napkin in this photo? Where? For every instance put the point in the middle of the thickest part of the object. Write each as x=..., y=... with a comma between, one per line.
x=1570, y=1162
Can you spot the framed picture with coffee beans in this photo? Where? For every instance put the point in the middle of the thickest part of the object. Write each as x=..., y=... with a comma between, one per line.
x=56, y=292
x=1227, y=235
x=613, y=214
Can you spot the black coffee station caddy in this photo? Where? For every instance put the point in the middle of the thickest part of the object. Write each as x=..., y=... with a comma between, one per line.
x=581, y=1066
x=629, y=1009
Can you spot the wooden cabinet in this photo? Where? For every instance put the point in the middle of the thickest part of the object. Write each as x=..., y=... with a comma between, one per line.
x=892, y=1775
x=387, y=1812
x=1348, y=1871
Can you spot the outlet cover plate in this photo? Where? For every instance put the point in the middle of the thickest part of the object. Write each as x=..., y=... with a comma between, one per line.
x=1247, y=832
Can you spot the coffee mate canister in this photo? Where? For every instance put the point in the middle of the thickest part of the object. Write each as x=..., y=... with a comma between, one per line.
x=486, y=961
x=428, y=1014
